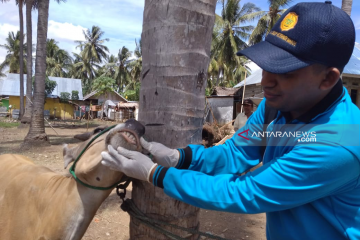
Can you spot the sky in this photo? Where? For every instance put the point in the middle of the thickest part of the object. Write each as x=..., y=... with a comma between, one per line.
x=121, y=20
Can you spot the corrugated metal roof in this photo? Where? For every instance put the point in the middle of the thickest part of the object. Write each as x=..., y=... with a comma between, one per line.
x=128, y=104
x=10, y=86
x=96, y=91
x=90, y=94
x=353, y=66
x=254, y=78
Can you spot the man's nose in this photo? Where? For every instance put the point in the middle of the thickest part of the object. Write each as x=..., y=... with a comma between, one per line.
x=268, y=79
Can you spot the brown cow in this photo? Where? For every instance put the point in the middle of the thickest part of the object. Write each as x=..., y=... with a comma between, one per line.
x=37, y=203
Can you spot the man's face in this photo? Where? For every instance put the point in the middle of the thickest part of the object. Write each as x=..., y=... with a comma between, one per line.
x=294, y=92
x=248, y=108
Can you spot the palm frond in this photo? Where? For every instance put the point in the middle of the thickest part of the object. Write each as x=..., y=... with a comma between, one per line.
x=279, y=3
x=260, y=31
x=249, y=17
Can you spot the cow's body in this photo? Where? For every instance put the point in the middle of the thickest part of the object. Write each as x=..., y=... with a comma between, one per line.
x=37, y=203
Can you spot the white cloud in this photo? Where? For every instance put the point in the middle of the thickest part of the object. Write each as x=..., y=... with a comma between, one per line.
x=65, y=31
x=5, y=29
x=9, y=12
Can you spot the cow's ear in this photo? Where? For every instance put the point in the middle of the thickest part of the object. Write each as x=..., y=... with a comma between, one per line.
x=67, y=155
x=87, y=135
x=98, y=129
x=83, y=136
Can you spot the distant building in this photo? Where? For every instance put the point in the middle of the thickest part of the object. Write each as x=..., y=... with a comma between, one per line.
x=126, y=109
x=98, y=99
x=351, y=76
x=10, y=87
x=252, y=84
x=223, y=103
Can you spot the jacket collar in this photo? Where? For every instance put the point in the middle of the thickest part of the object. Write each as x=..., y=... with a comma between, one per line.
x=320, y=107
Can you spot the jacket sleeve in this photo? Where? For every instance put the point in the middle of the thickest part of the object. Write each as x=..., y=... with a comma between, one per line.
x=236, y=155
x=298, y=177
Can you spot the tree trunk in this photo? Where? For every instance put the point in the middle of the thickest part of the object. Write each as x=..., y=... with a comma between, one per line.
x=28, y=107
x=346, y=6
x=176, y=42
x=36, y=134
x=21, y=59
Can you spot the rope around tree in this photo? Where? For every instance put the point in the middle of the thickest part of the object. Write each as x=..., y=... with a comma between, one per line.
x=129, y=206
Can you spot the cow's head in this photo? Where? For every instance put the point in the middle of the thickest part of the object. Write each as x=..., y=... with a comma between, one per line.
x=89, y=168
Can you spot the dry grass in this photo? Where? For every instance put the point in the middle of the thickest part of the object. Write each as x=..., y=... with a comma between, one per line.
x=213, y=133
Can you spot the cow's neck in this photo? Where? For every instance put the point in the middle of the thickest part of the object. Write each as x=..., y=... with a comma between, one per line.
x=82, y=204
x=91, y=200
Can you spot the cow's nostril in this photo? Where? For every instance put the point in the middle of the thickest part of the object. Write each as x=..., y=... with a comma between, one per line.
x=97, y=178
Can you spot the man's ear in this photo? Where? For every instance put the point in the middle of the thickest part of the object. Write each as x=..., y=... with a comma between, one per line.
x=331, y=78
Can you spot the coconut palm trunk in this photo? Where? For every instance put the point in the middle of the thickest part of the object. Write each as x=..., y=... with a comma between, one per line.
x=36, y=134
x=346, y=6
x=28, y=106
x=21, y=3
x=176, y=42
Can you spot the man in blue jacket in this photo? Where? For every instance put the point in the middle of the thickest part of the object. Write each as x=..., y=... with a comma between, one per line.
x=309, y=184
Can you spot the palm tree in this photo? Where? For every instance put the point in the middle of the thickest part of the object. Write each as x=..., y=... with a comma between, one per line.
x=122, y=75
x=93, y=49
x=84, y=70
x=36, y=134
x=136, y=65
x=109, y=68
x=172, y=97
x=21, y=19
x=132, y=89
x=229, y=36
x=266, y=23
x=58, y=61
x=214, y=68
x=13, y=46
x=347, y=6
x=1, y=73
x=28, y=106
x=30, y=5
x=118, y=68
x=93, y=52
x=20, y=3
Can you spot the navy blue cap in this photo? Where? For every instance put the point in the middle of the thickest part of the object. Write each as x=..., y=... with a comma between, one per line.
x=306, y=33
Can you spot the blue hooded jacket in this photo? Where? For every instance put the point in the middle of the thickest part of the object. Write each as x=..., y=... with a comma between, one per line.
x=308, y=185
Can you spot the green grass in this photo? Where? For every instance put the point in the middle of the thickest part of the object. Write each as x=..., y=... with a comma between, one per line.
x=9, y=124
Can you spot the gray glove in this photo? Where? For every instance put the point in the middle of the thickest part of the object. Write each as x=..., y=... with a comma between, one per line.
x=131, y=163
x=164, y=156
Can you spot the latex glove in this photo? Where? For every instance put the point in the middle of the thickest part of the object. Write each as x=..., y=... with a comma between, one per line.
x=163, y=155
x=133, y=164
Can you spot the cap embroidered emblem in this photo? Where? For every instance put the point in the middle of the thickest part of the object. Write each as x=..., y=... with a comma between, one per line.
x=289, y=21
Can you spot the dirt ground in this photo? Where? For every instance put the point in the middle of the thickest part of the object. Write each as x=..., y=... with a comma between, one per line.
x=110, y=222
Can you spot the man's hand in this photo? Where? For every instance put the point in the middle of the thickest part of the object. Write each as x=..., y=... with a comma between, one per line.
x=164, y=156
x=131, y=163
